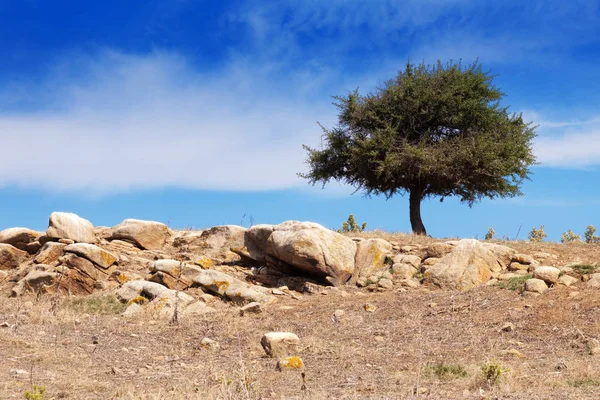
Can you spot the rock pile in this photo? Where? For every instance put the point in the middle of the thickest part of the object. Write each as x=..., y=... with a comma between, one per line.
x=147, y=265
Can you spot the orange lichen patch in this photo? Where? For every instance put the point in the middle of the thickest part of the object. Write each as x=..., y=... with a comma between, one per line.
x=107, y=258
x=293, y=362
x=370, y=307
x=138, y=300
x=221, y=286
x=122, y=278
x=205, y=262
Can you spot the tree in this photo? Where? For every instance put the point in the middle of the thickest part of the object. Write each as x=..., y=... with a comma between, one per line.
x=433, y=130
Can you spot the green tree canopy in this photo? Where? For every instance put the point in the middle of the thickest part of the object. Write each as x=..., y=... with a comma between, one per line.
x=433, y=130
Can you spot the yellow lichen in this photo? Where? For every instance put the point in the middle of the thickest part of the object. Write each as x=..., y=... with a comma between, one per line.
x=138, y=300
x=122, y=278
x=293, y=362
x=221, y=286
x=205, y=262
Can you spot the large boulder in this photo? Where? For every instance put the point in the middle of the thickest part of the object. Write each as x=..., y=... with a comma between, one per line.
x=310, y=248
x=10, y=256
x=70, y=226
x=148, y=235
x=50, y=253
x=134, y=289
x=214, y=243
x=21, y=238
x=371, y=255
x=503, y=254
x=35, y=281
x=93, y=253
x=469, y=264
x=173, y=274
x=231, y=288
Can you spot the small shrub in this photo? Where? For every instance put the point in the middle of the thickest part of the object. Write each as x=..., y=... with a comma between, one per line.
x=537, y=234
x=36, y=393
x=490, y=234
x=584, y=269
x=445, y=371
x=516, y=283
x=570, y=237
x=96, y=304
x=352, y=226
x=590, y=230
x=493, y=371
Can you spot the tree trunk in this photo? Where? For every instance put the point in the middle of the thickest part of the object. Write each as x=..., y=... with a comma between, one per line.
x=416, y=195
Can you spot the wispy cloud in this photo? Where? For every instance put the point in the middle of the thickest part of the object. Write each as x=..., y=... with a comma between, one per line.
x=128, y=122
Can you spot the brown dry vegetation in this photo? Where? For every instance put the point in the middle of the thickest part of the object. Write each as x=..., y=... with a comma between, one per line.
x=421, y=343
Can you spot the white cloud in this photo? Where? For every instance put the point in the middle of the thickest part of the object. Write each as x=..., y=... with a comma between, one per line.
x=116, y=122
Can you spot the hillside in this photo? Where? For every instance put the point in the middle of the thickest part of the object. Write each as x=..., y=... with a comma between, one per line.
x=137, y=311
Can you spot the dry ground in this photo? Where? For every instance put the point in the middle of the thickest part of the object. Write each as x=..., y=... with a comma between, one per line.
x=423, y=343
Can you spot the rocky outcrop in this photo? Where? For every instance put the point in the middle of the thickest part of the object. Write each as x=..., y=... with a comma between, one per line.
x=231, y=288
x=213, y=244
x=70, y=226
x=147, y=235
x=173, y=274
x=11, y=257
x=95, y=254
x=302, y=246
x=468, y=265
x=21, y=238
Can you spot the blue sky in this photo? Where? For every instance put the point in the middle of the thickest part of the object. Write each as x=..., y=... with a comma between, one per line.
x=194, y=112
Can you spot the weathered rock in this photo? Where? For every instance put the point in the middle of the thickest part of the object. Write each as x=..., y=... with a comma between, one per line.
x=214, y=243
x=177, y=271
x=415, y=261
x=428, y=262
x=134, y=289
x=87, y=267
x=280, y=344
x=209, y=344
x=168, y=301
x=197, y=308
x=594, y=281
x=523, y=259
x=503, y=254
x=3, y=276
x=293, y=363
x=549, y=275
x=70, y=226
x=251, y=308
x=507, y=276
x=133, y=310
x=21, y=238
x=313, y=249
x=404, y=271
x=438, y=250
x=370, y=257
x=35, y=281
x=11, y=257
x=148, y=235
x=535, y=285
x=227, y=286
x=567, y=280
x=93, y=253
x=468, y=265
x=385, y=283
x=517, y=266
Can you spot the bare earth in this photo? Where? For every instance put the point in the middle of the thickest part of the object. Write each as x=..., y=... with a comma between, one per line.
x=423, y=343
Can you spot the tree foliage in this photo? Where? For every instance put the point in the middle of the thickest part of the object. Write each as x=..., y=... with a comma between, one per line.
x=430, y=131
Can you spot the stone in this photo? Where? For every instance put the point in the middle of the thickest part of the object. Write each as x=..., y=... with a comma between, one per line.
x=11, y=257
x=508, y=327
x=49, y=253
x=35, y=281
x=280, y=344
x=293, y=363
x=594, y=281
x=517, y=266
x=385, y=283
x=85, y=266
x=148, y=235
x=523, y=259
x=173, y=274
x=507, y=276
x=302, y=246
x=567, y=280
x=370, y=307
x=468, y=265
x=371, y=255
x=93, y=253
x=503, y=254
x=535, y=285
x=169, y=300
x=214, y=243
x=3, y=276
x=338, y=316
x=70, y=226
x=209, y=344
x=133, y=310
x=404, y=271
x=21, y=238
x=197, y=308
x=227, y=286
x=412, y=260
x=549, y=275
x=429, y=262
x=251, y=308
x=438, y=250
x=134, y=289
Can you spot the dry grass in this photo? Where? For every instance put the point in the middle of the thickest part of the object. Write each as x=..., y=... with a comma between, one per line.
x=437, y=341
